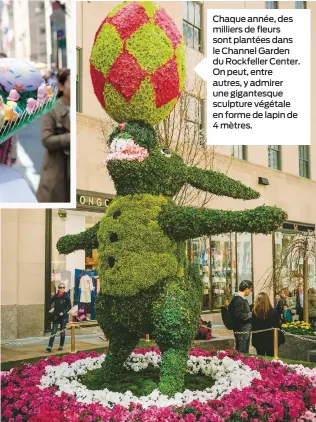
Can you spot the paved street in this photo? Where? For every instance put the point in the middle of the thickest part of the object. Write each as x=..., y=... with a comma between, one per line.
x=30, y=153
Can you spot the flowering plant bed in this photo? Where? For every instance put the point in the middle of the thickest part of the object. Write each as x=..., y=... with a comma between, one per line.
x=205, y=330
x=240, y=389
x=300, y=328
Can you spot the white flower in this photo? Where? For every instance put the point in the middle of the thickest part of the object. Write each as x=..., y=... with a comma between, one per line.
x=228, y=374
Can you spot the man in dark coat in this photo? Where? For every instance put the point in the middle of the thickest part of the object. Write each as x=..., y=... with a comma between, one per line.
x=300, y=302
x=241, y=315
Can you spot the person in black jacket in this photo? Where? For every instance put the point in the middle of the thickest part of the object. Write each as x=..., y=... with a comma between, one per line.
x=61, y=308
x=300, y=302
x=264, y=316
x=279, y=305
x=241, y=315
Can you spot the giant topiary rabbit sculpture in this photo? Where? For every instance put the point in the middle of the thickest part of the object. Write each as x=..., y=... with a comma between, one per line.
x=146, y=282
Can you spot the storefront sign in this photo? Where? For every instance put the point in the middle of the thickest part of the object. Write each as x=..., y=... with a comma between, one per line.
x=92, y=201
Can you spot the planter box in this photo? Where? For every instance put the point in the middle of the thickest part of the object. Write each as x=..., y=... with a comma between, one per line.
x=296, y=348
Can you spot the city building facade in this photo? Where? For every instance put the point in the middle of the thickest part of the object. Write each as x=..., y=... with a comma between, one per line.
x=31, y=265
x=36, y=30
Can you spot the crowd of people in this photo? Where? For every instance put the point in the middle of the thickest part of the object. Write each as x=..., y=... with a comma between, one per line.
x=286, y=312
x=265, y=316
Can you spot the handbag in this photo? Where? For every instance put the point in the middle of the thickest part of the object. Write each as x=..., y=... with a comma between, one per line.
x=51, y=317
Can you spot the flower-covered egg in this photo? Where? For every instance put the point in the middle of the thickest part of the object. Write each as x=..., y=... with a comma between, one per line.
x=137, y=63
x=18, y=75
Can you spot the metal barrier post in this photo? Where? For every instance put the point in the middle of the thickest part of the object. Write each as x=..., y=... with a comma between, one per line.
x=73, y=336
x=275, y=343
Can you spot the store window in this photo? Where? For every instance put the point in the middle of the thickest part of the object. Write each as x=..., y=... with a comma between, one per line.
x=224, y=260
x=244, y=261
x=272, y=4
x=200, y=254
x=78, y=270
x=223, y=269
x=192, y=24
x=79, y=81
x=274, y=157
x=292, y=264
x=239, y=151
x=303, y=152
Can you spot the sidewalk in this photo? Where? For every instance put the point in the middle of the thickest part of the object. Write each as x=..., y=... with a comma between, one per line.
x=28, y=351
x=24, y=350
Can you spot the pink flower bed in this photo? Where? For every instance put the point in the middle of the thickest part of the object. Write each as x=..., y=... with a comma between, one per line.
x=284, y=393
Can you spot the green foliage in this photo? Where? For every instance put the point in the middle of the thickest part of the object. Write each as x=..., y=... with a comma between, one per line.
x=180, y=55
x=124, y=321
x=121, y=110
x=141, y=383
x=143, y=132
x=219, y=184
x=300, y=328
x=150, y=7
x=143, y=254
x=174, y=363
x=106, y=49
x=183, y=223
x=151, y=47
x=176, y=310
x=82, y=241
x=156, y=175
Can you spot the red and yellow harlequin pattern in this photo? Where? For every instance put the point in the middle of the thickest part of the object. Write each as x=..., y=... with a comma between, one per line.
x=137, y=63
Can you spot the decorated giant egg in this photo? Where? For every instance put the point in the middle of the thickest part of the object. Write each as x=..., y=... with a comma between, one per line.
x=19, y=75
x=137, y=63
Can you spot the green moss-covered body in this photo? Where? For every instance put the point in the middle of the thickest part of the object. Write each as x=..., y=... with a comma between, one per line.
x=147, y=286
x=134, y=252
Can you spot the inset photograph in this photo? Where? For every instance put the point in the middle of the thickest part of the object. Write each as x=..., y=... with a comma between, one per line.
x=35, y=102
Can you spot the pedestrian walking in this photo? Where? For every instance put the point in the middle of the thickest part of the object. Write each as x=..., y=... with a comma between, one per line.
x=62, y=306
x=300, y=302
x=263, y=317
x=241, y=316
x=55, y=176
